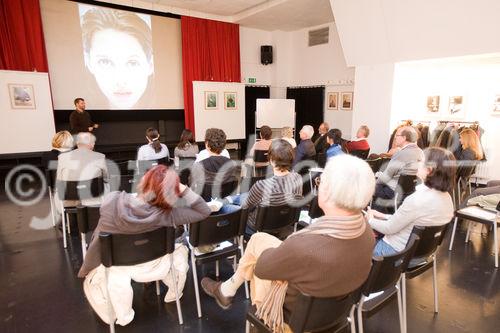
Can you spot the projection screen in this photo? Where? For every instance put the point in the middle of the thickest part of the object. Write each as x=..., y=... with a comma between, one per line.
x=114, y=59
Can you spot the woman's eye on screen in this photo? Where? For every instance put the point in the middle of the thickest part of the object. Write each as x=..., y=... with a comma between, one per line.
x=104, y=63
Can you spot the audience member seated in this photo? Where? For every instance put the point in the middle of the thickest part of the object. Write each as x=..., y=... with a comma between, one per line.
x=287, y=135
x=186, y=147
x=393, y=147
x=360, y=142
x=82, y=164
x=331, y=257
x=404, y=162
x=216, y=169
x=263, y=144
x=154, y=150
x=430, y=205
x=470, y=154
x=334, y=140
x=285, y=187
x=161, y=201
x=320, y=143
x=216, y=135
x=305, y=150
x=62, y=142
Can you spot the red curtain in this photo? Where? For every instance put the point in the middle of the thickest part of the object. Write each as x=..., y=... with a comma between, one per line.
x=210, y=52
x=22, y=46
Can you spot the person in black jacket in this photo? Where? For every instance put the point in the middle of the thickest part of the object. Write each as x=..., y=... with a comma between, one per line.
x=79, y=120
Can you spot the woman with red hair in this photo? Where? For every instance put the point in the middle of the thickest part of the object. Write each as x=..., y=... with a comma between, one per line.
x=156, y=205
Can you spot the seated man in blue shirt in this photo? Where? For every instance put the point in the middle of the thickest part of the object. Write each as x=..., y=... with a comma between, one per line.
x=334, y=139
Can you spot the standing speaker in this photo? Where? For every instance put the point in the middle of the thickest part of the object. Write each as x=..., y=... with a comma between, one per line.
x=266, y=54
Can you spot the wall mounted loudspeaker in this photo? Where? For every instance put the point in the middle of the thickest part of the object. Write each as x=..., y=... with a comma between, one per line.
x=266, y=54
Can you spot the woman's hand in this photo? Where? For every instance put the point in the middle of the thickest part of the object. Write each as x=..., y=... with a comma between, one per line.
x=182, y=188
x=372, y=213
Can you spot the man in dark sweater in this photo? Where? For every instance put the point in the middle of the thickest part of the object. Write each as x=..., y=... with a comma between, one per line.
x=79, y=120
x=305, y=150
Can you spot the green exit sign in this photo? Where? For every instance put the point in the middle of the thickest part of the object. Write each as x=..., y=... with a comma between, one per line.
x=252, y=80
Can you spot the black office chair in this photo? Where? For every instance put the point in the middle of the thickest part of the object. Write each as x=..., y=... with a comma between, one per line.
x=314, y=314
x=362, y=154
x=184, y=169
x=216, y=229
x=246, y=183
x=128, y=250
x=220, y=191
x=384, y=278
x=144, y=166
x=376, y=164
x=260, y=156
x=406, y=186
x=274, y=219
x=76, y=191
x=87, y=218
x=425, y=254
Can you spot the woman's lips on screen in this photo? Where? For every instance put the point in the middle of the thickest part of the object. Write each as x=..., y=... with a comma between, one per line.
x=122, y=94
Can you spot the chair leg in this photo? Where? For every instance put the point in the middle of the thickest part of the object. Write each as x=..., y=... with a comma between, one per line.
x=401, y=310
x=52, y=213
x=217, y=269
x=177, y=301
x=495, y=242
x=360, y=314
x=403, y=301
x=434, y=283
x=468, y=232
x=351, y=319
x=65, y=242
x=196, y=289
x=111, y=314
x=453, y=233
x=240, y=241
x=84, y=245
x=247, y=327
x=157, y=288
x=68, y=224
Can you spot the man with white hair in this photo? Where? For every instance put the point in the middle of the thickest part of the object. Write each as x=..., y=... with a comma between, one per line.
x=404, y=162
x=82, y=163
x=331, y=257
x=305, y=150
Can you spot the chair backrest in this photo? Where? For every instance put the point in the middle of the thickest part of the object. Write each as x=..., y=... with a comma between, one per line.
x=386, y=271
x=363, y=154
x=79, y=190
x=261, y=156
x=87, y=218
x=218, y=191
x=321, y=159
x=217, y=229
x=315, y=210
x=269, y=218
x=246, y=183
x=127, y=250
x=165, y=161
x=312, y=314
x=377, y=163
x=50, y=177
x=144, y=165
x=430, y=238
x=406, y=185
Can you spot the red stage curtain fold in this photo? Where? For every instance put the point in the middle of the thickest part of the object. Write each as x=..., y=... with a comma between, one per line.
x=210, y=52
x=22, y=46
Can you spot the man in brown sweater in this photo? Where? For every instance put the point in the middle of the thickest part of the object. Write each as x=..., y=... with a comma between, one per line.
x=331, y=257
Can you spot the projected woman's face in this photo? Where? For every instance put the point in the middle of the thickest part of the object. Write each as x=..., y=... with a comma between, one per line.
x=120, y=67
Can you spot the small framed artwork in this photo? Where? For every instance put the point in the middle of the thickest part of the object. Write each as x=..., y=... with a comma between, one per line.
x=496, y=105
x=333, y=98
x=211, y=100
x=230, y=102
x=433, y=104
x=22, y=96
x=346, y=100
x=455, y=106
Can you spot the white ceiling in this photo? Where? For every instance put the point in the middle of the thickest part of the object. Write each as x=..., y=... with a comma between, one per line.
x=286, y=15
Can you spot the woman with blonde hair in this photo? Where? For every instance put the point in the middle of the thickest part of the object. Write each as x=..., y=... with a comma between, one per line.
x=469, y=155
x=287, y=135
x=61, y=142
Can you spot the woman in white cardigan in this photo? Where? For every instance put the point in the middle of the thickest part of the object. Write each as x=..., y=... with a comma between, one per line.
x=429, y=205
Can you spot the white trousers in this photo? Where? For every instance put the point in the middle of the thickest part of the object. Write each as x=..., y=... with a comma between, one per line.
x=120, y=288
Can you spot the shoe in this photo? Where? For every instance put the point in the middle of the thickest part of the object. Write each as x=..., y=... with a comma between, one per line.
x=212, y=288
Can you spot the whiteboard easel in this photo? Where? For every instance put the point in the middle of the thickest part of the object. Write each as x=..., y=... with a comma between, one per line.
x=275, y=113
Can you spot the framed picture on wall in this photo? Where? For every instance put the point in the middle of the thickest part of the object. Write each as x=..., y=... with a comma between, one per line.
x=433, y=104
x=455, y=106
x=496, y=105
x=211, y=100
x=346, y=100
x=230, y=100
x=22, y=96
x=332, y=100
